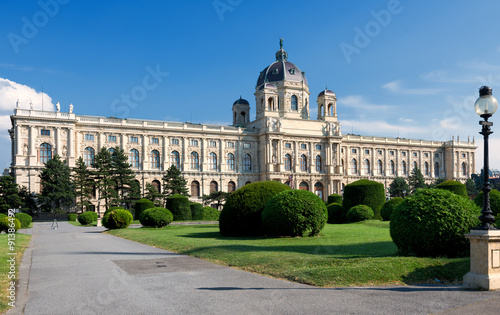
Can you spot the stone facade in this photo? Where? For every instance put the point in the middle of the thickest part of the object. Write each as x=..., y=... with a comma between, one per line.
x=281, y=144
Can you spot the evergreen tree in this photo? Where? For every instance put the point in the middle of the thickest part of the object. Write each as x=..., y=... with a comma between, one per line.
x=174, y=182
x=152, y=194
x=83, y=183
x=217, y=197
x=57, y=192
x=134, y=194
x=471, y=187
x=437, y=182
x=416, y=180
x=399, y=188
x=122, y=174
x=10, y=197
x=104, y=178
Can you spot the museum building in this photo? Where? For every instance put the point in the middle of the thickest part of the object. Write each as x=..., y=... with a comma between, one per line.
x=282, y=144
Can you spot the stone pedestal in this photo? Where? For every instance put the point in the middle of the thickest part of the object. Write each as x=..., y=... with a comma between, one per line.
x=484, y=271
x=99, y=222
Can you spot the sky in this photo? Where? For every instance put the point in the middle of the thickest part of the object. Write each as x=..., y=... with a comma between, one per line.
x=408, y=69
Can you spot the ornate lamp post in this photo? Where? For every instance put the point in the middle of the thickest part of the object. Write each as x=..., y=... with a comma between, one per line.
x=485, y=106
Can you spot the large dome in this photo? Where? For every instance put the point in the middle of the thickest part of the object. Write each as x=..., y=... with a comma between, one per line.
x=281, y=70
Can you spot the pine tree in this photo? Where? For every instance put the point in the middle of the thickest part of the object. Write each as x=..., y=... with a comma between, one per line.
x=416, y=180
x=217, y=197
x=153, y=194
x=122, y=174
x=83, y=183
x=471, y=188
x=57, y=192
x=399, y=187
x=10, y=197
x=134, y=194
x=104, y=177
x=174, y=182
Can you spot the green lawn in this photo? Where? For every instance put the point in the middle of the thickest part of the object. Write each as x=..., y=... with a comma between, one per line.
x=21, y=241
x=343, y=255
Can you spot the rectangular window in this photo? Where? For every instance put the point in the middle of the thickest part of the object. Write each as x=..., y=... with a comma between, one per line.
x=89, y=137
x=230, y=144
x=134, y=139
x=391, y=152
x=342, y=150
x=112, y=138
x=426, y=154
x=354, y=151
x=246, y=145
x=155, y=140
x=175, y=141
x=212, y=143
x=367, y=151
x=194, y=142
x=403, y=153
x=288, y=145
x=303, y=146
x=415, y=154
x=463, y=155
x=379, y=152
x=318, y=147
x=436, y=155
x=45, y=132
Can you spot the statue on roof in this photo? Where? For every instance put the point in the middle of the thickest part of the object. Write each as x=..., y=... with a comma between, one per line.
x=281, y=43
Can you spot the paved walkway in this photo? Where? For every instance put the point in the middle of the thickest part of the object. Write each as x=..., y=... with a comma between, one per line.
x=78, y=270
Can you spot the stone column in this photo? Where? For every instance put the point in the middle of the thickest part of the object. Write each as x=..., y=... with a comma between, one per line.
x=18, y=140
x=165, y=154
x=145, y=154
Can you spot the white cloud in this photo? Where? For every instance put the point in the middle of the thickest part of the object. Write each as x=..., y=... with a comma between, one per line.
x=11, y=91
x=359, y=102
x=395, y=87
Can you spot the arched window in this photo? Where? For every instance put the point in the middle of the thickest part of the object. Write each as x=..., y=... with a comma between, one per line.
x=244, y=117
x=175, y=159
x=288, y=162
x=426, y=169
x=318, y=189
x=248, y=182
x=303, y=163
x=403, y=167
x=415, y=165
x=319, y=164
x=343, y=168
x=230, y=162
x=157, y=185
x=214, y=186
x=45, y=152
x=366, y=167
x=379, y=167
x=111, y=151
x=195, y=161
x=213, y=161
x=247, y=162
x=354, y=167
x=231, y=186
x=88, y=156
x=436, y=170
x=294, y=103
x=464, y=169
x=330, y=109
x=392, y=168
x=304, y=186
x=155, y=159
x=133, y=158
x=270, y=103
x=195, y=189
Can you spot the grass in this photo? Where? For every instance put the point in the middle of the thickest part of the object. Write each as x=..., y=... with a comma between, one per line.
x=76, y=223
x=356, y=254
x=21, y=241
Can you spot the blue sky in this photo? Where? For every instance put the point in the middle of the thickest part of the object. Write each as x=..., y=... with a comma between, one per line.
x=399, y=68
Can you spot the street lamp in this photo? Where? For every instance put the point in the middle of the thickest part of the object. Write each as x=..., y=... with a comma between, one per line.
x=485, y=106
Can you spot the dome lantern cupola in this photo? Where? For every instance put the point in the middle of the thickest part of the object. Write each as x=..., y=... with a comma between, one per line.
x=281, y=55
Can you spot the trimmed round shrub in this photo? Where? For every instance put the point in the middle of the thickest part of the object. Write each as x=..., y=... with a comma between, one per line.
x=359, y=213
x=208, y=213
x=242, y=212
x=389, y=207
x=180, y=206
x=196, y=210
x=2, y=215
x=25, y=219
x=364, y=192
x=334, y=198
x=455, y=187
x=72, y=216
x=7, y=223
x=432, y=222
x=494, y=201
x=141, y=205
x=156, y=217
x=87, y=217
x=335, y=213
x=294, y=213
x=105, y=217
x=117, y=219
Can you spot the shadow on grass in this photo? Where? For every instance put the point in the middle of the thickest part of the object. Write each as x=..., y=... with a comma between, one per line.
x=452, y=272
x=413, y=288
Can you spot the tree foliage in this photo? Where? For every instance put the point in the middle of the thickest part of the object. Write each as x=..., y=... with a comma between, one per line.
x=174, y=182
x=83, y=183
x=399, y=188
x=123, y=175
x=57, y=189
x=104, y=177
x=215, y=197
x=153, y=195
x=9, y=194
x=416, y=180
